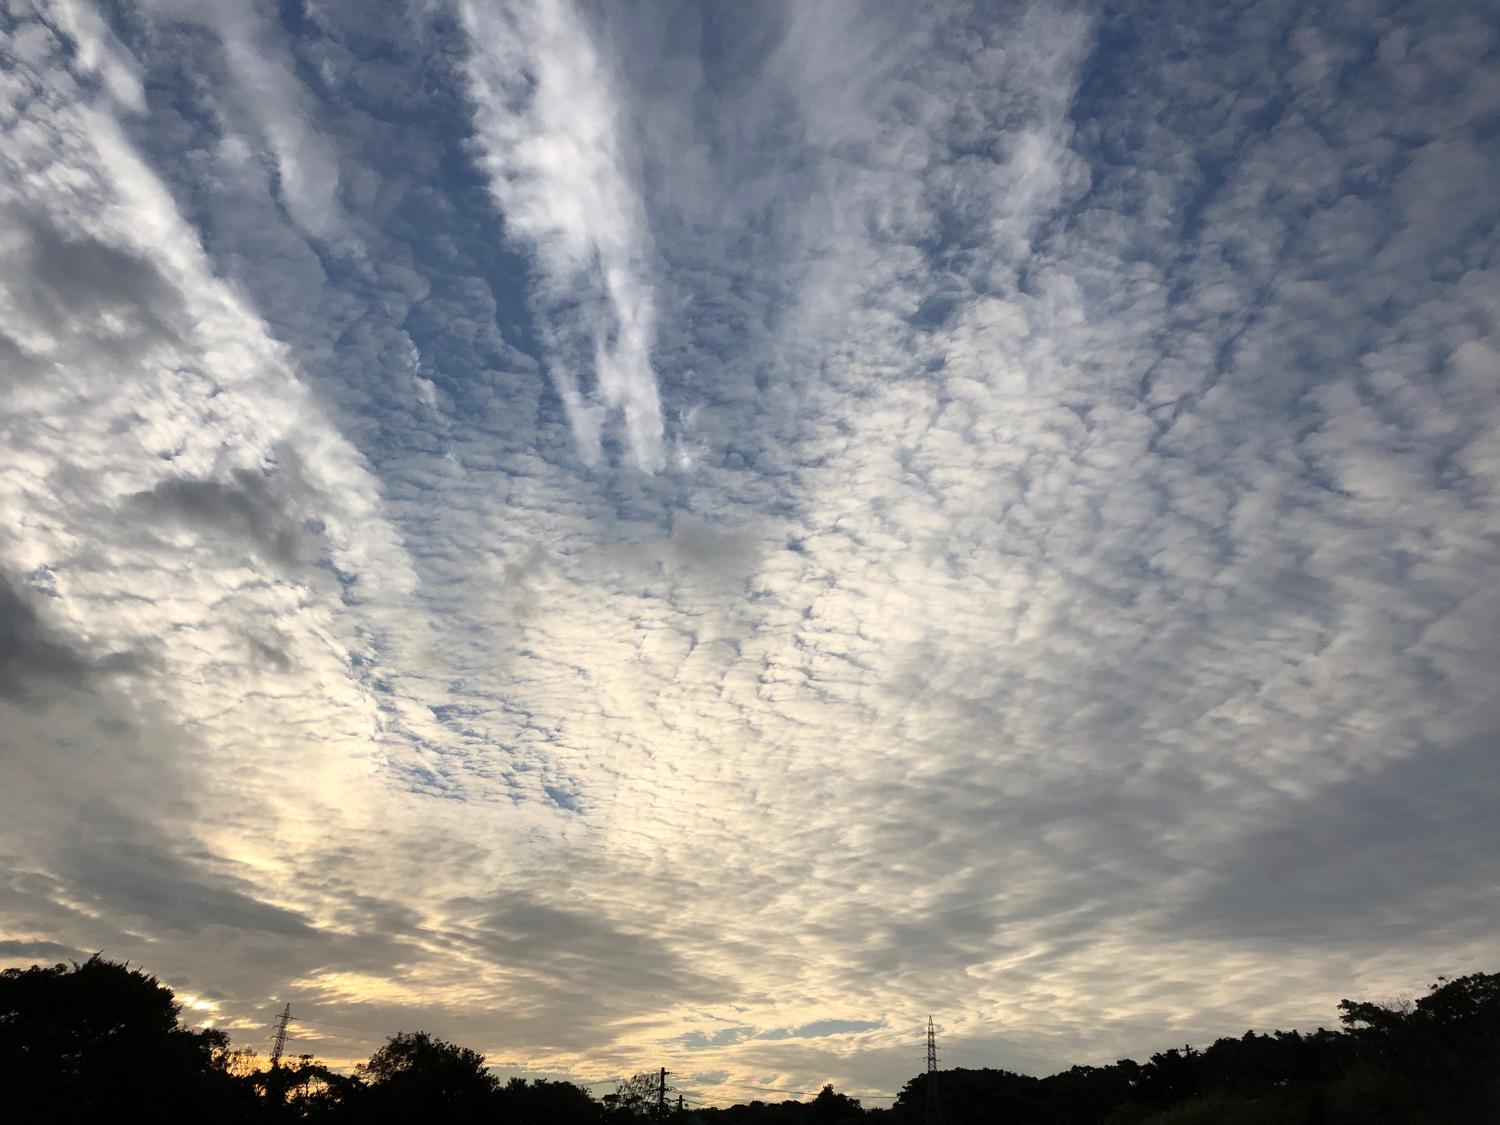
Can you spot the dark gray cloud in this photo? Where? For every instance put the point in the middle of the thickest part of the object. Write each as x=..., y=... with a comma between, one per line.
x=248, y=511
x=1378, y=858
x=146, y=880
x=66, y=279
x=29, y=653
x=39, y=951
x=37, y=660
x=580, y=962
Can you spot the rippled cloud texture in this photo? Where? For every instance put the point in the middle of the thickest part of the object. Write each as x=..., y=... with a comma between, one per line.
x=636, y=535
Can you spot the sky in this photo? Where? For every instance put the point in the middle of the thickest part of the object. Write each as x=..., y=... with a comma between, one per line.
x=698, y=535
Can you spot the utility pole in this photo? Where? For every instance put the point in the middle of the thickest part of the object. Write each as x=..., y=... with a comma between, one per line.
x=934, y=1108
x=278, y=1045
x=661, y=1095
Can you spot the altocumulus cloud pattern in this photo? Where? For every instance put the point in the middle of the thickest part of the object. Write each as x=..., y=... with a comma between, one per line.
x=642, y=533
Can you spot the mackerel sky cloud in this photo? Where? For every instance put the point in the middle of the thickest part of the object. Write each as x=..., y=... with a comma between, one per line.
x=696, y=535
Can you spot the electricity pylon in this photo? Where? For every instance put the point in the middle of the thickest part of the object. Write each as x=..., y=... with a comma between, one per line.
x=278, y=1045
x=933, y=1113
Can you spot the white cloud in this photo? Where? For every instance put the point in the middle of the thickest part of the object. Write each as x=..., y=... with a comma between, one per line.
x=555, y=142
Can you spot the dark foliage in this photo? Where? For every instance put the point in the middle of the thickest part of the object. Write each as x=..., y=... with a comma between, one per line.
x=414, y=1078
x=101, y=1042
x=548, y=1101
x=1432, y=1063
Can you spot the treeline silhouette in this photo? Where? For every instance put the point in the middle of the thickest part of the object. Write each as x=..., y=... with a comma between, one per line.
x=102, y=1042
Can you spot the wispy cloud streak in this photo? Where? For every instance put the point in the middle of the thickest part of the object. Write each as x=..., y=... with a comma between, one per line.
x=548, y=121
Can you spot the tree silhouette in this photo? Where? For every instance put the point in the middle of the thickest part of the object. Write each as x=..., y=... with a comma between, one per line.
x=306, y=1090
x=416, y=1077
x=833, y=1108
x=635, y=1097
x=100, y=1041
x=543, y=1101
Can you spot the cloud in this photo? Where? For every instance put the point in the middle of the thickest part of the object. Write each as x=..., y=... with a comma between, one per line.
x=140, y=880
x=29, y=653
x=38, y=950
x=723, y=1037
x=272, y=97
x=59, y=280
x=1057, y=600
x=820, y=1029
x=1383, y=854
x=556, y=146
x=242, y=511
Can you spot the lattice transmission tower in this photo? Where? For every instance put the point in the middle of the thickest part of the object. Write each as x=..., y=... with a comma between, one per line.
x=933, y=1111
x=278, y=1044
